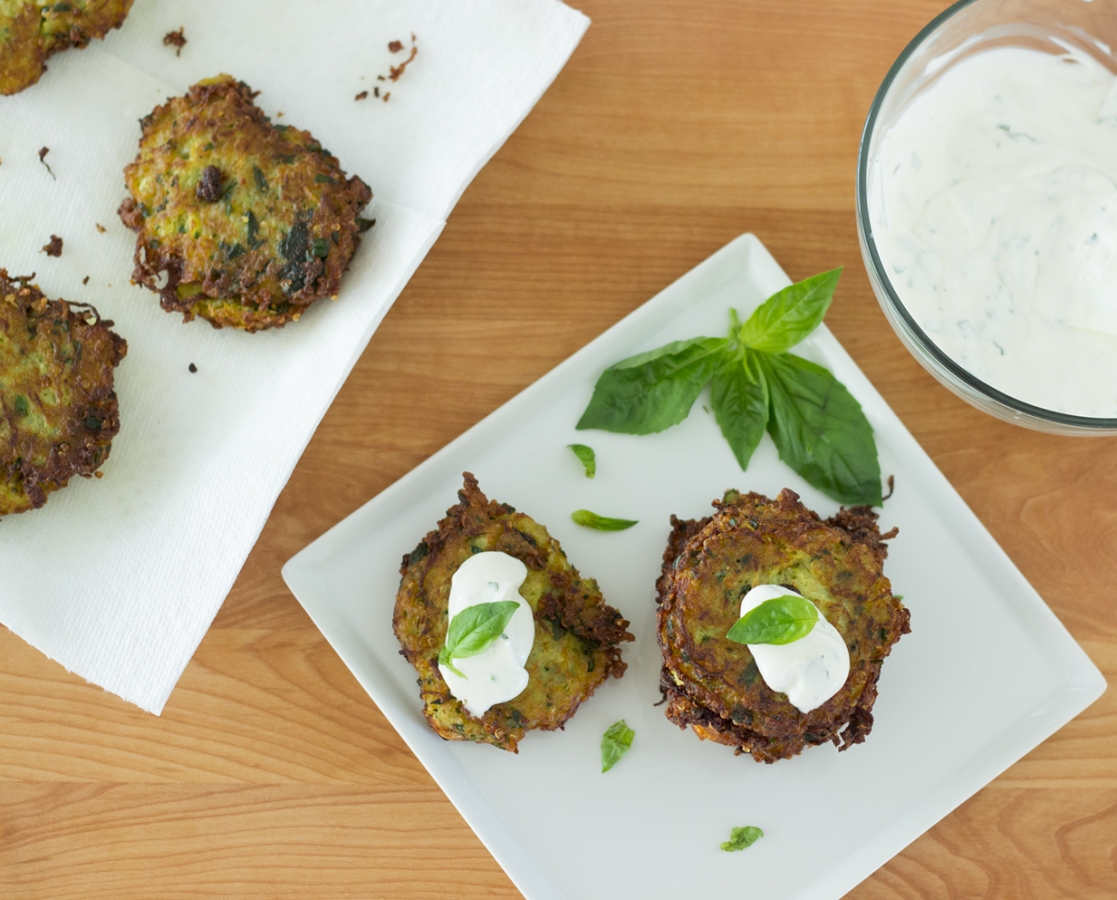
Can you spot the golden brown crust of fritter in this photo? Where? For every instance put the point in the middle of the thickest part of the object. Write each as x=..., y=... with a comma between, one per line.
x=58, y=410
x=34, y=30
x=712, y=684
x=577, y=636
x=248, y=222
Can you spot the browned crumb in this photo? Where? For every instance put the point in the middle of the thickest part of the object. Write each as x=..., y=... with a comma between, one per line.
x=361, y=95
x=395, y=46
x=42, y=159
x=376, y=92
x=54, y=248
x=175, y=39
x=396, y=71
x=85, y=280
x=100, y=227
x=387, y=94
x=192, y=367
x=99, y=474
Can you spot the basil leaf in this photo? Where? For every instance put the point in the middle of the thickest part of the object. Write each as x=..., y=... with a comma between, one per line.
x=586, y=455
x=780, y=620
x=785, y=318
x=473, y=629
x=820, y=430
x=739, y=838
x=615, y=744
x=602, y=523
x=655, y=390
x=739, y=396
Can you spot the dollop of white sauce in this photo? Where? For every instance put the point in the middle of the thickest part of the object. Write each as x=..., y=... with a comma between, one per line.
x=993, y=205
x=810, y=670
x=497, y=673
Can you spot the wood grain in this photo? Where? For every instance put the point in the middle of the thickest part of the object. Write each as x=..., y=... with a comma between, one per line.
x=675, y=127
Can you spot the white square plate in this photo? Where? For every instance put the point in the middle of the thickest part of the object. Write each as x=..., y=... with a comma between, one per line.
x=986, y=658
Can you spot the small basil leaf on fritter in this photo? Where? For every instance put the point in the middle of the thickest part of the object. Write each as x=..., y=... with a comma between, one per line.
x=600, y=523
x=739, y=396
x=615, y=744
x=473, y=629
x=780, y=620
x=820, y=430
x=739, y=838
x=587, y=457
x=652, y=391
x=785, y=318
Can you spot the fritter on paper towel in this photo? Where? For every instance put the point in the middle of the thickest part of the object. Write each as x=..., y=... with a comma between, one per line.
x=58, y=411
x=248, y=222
x=711, y=683
x=576, y=633
x=32, y=30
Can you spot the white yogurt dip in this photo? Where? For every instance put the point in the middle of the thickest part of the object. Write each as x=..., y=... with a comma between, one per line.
x=497, y=673
x=810, y=670
x=993, y=204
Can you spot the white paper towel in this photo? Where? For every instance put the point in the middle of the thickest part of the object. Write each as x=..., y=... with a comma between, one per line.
x=118, y=578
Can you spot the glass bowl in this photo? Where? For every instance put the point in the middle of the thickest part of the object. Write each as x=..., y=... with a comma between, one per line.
x=969, y=27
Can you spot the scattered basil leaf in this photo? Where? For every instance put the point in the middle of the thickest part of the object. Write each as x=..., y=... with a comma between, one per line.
x=473, y=629
x=780, y=620
x=739, y=838
x=820, y=430
x=616, y=743
x=652, y=391
x=785, y=318
x=602, y=523
x=739, y=396
x=587, y=457
x=816, y=424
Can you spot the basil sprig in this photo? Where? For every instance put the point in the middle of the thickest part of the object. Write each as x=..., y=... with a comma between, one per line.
x=817, y=426
x=780, y=620
x=739, y=838
x=588, y=519
x=615, y=743
x=473, y=629
x=587, y=457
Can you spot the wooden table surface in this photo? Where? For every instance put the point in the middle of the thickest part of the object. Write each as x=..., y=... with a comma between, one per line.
x=676, y=126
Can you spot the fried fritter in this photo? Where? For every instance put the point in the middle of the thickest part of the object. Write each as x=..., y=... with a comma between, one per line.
x=59, y=411
x=711, y=683
x=32, y=30
x=248, y=222
x=577, y=635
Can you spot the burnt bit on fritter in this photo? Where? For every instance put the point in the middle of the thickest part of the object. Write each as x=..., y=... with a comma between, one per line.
x=577, y=635
x=31, y=31
x=58, y=409
x=53, y=247
x=239, y=221
x=711, y=684
x=176, y=39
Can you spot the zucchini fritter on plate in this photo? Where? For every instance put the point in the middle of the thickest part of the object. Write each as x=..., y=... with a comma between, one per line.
x=248, y=222
x=32, y=30
x=711, y=683
x=577, y=635
x=59, y=411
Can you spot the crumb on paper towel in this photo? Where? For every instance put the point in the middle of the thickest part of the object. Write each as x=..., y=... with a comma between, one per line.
x=395, y=46
x=85, y=280
x=54, y=248
x=100, y=227
x=42, y=158
x=192, y=367
x=361, y=95
x=176, y=39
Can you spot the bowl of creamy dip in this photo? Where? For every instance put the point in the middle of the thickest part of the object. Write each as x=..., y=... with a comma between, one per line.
x=987, y=207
